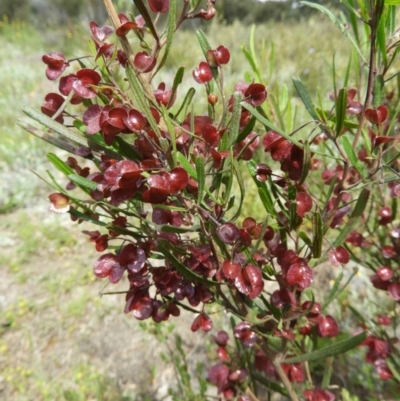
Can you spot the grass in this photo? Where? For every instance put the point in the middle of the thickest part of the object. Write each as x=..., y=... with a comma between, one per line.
x=58, y=339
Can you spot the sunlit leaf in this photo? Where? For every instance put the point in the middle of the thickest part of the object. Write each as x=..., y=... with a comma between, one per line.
x=331, y=350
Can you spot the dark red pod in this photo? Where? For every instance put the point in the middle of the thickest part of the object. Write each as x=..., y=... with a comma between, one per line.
x=56, y=64
x=159, y=6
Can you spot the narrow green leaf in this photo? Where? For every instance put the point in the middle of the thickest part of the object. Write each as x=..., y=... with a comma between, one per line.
x=317, y=235
x=269, y=384
x=177, y=230
x=378, y=91
x=205, y=47
x=201, y=178
x=356, y=313
x=177, y=81
x=66, y=133
x=354, y=15
x=344, y=232
x=246, y=130
x=192, y=172
x=331, y=350
x=186, y=102
x=241, y=184
x=339, y=24
x=305, y=238
x=59, y=164
x=182, y=269
x=277, y=110
x=269, y=125
x=146, y=16
x=172, y=136
x=306, y=162
x=53, y=140
x=393, y=368
x=82, y=182
x=262, y=189
x=186, y=165
x=227, y=179
x=334, y=290
x=392, y=2
x=86, y=217
x=235, y=121
x=305, y=97
x=361, y=203
x=341, y=104
x=381, y=39
x=292, y=216
x=171, y=25
x=348, y=148
x=126, y=149
x=141, y=100
x=54, y=184
x=250, y=59
x=346, y=77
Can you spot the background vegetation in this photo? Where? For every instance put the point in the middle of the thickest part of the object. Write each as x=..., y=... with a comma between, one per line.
x=58, y=339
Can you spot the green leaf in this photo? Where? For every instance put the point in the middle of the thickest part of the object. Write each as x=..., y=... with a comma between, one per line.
x=192, y=172
x=177, y=230
x=201, y=178
x=393, y=368
x=68, y=135
x=331, y=350
x=59, y=164
x=82, y=182
x=392, y=2
x=262, y=189
x=141, y=100
x=344, y=232
x=205, y=47
x=170, y=34
x=186, y=102
x=250, y=59
x=177, y=81
x=346, y=77
x=126, y=149
x=361, y=203
x=381, y=41
x=334, y=290
x=242, y=190
x=305, y=97
x=86, y=217
x=171, y=134
x=182, y=269
x=357, y=314
x=235, y=121
x=348, y=148
x=354, y=15
x=269, y=125
x=306, y=162
x=317, y=235
x=292, y=216
x=186, y=165
x=246, y=130
x=378, y=91
x=341, y=104
x=339, y=24
x=305, y=238
x=269, y=384
x=146, y=16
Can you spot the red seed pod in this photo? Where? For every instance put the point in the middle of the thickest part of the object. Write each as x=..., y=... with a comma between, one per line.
x=212, y=99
